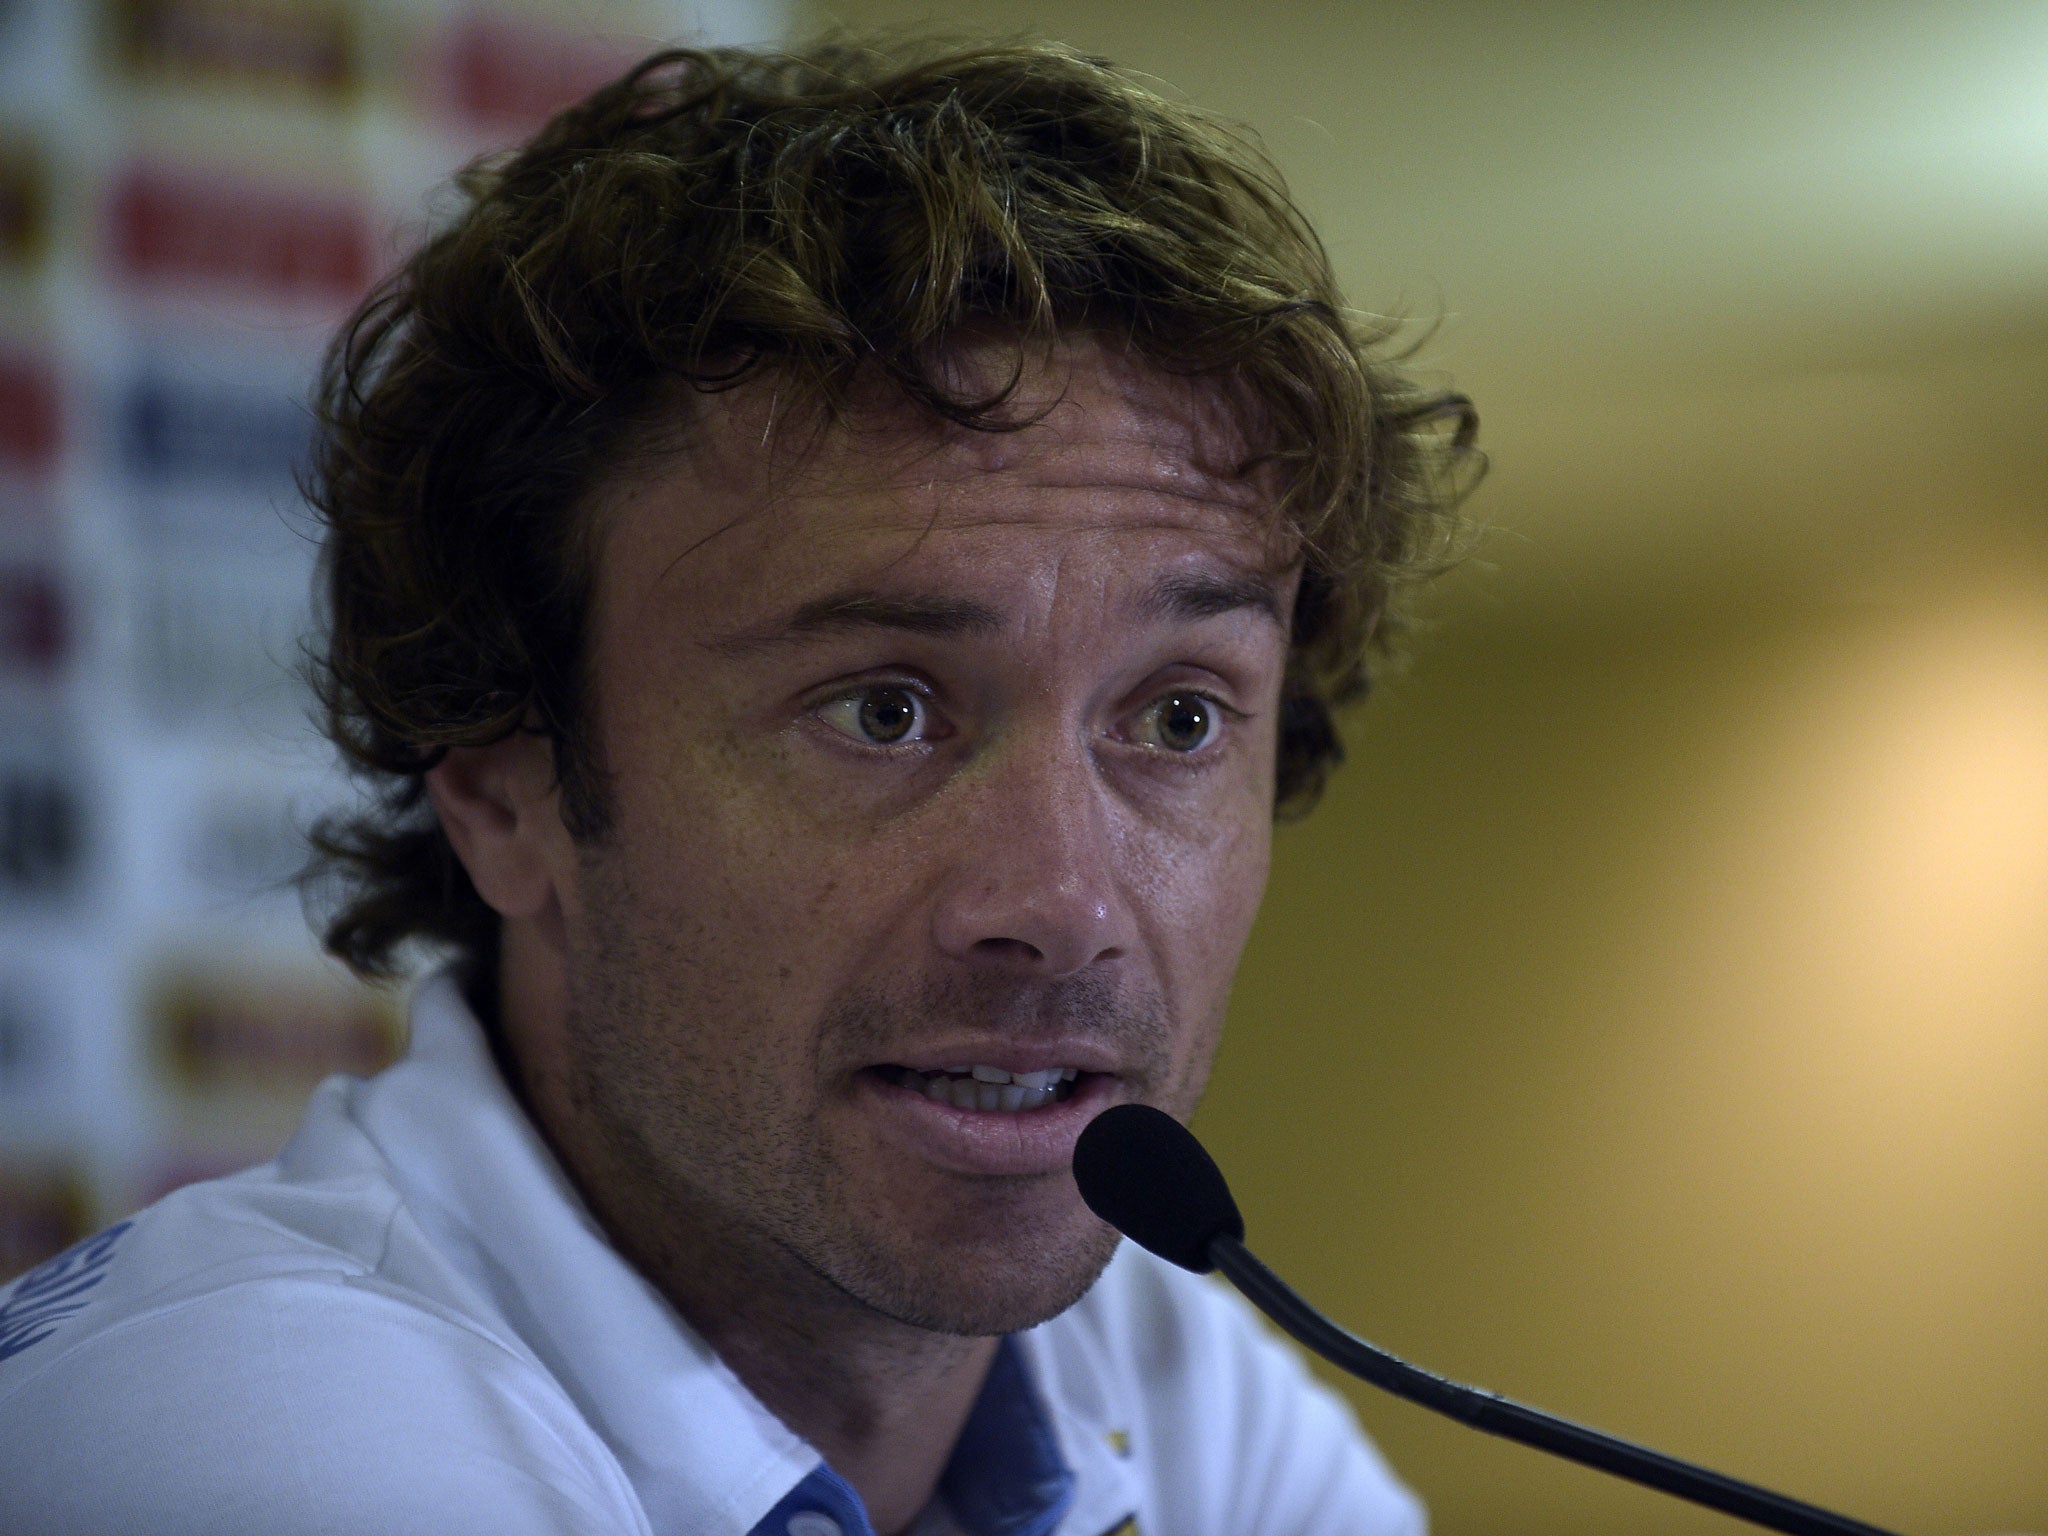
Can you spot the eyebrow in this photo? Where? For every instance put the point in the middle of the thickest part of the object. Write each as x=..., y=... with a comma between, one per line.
x=1190, y=598
x=844, y=611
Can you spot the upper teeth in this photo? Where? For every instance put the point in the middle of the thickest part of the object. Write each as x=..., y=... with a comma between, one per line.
x=985, y=1087
x=1043, y=1079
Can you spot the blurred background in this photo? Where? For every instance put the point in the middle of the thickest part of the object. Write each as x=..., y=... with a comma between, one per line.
x=193, y=194
x=1653, y=1022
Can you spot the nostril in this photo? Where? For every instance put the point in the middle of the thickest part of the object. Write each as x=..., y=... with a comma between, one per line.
x=1009, y=949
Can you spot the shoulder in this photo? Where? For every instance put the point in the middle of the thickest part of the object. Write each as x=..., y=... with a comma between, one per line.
x=227, y=1358
x=1229, y=1429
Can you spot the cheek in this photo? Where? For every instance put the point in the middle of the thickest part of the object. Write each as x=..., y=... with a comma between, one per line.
x=1235, y=895
x=725, y=843
x=1210, y=914
x=1199, y=894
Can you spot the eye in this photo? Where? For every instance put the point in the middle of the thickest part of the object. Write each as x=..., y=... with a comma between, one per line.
x=885, y=715
x=1180, y=722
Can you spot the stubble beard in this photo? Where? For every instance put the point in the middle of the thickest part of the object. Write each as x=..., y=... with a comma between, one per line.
x=737, y=1194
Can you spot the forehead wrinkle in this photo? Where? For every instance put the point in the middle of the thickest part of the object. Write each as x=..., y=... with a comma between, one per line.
x=1126, y=430
x=1204, y=492
x=1129, y=425
x=1147, y=454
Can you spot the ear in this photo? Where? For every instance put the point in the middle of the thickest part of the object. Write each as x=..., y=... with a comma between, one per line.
x=501, y=808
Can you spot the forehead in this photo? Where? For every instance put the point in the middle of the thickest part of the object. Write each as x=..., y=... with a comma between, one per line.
x=1108, y=457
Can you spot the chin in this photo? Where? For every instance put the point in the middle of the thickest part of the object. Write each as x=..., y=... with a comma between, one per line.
x=983, y=1289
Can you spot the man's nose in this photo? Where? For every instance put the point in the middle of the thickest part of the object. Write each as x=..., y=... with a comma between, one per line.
x=1034, y=887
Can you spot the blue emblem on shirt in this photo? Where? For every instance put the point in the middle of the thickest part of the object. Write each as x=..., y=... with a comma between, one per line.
x=51, y=1292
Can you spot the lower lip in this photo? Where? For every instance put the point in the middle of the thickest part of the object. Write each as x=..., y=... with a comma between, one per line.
x=1020, y=1142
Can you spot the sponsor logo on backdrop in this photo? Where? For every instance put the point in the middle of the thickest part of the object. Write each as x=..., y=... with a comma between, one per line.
x=24, y=204
x=504, y=74
x=42, y=831
x=303, y=45
x=283, y=242
x=238, y=1041
x=44, y=1209
x=221, y=1028
x=234, y=433
x=30, y=413
x=34, y=638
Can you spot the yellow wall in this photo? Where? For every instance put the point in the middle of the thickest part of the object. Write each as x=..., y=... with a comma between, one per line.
x=1653, y=1024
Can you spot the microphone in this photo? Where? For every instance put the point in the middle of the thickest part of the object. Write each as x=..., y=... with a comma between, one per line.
x=1144, y=1173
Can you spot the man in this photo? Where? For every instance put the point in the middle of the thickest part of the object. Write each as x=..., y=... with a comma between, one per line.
x=833, y=565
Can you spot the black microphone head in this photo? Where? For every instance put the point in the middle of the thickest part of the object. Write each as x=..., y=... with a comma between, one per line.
x=1144, y=1173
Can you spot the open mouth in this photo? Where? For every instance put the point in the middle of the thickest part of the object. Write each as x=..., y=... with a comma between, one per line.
x=987, y=1088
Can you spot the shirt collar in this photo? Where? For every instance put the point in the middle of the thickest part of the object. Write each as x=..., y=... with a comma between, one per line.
x=1007, y=1476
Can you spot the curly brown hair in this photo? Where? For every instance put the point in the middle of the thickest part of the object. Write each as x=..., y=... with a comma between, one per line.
x=832, y=216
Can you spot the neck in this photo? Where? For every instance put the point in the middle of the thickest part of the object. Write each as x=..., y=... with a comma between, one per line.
x=884, y=1402
x=881, y=1400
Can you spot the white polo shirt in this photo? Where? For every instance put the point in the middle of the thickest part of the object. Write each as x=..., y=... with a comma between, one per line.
x=409, y=1323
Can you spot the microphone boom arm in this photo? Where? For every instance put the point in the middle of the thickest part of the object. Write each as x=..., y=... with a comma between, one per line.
x=1513, y=1421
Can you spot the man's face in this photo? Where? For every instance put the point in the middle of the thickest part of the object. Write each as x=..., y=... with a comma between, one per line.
x=934, y=758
